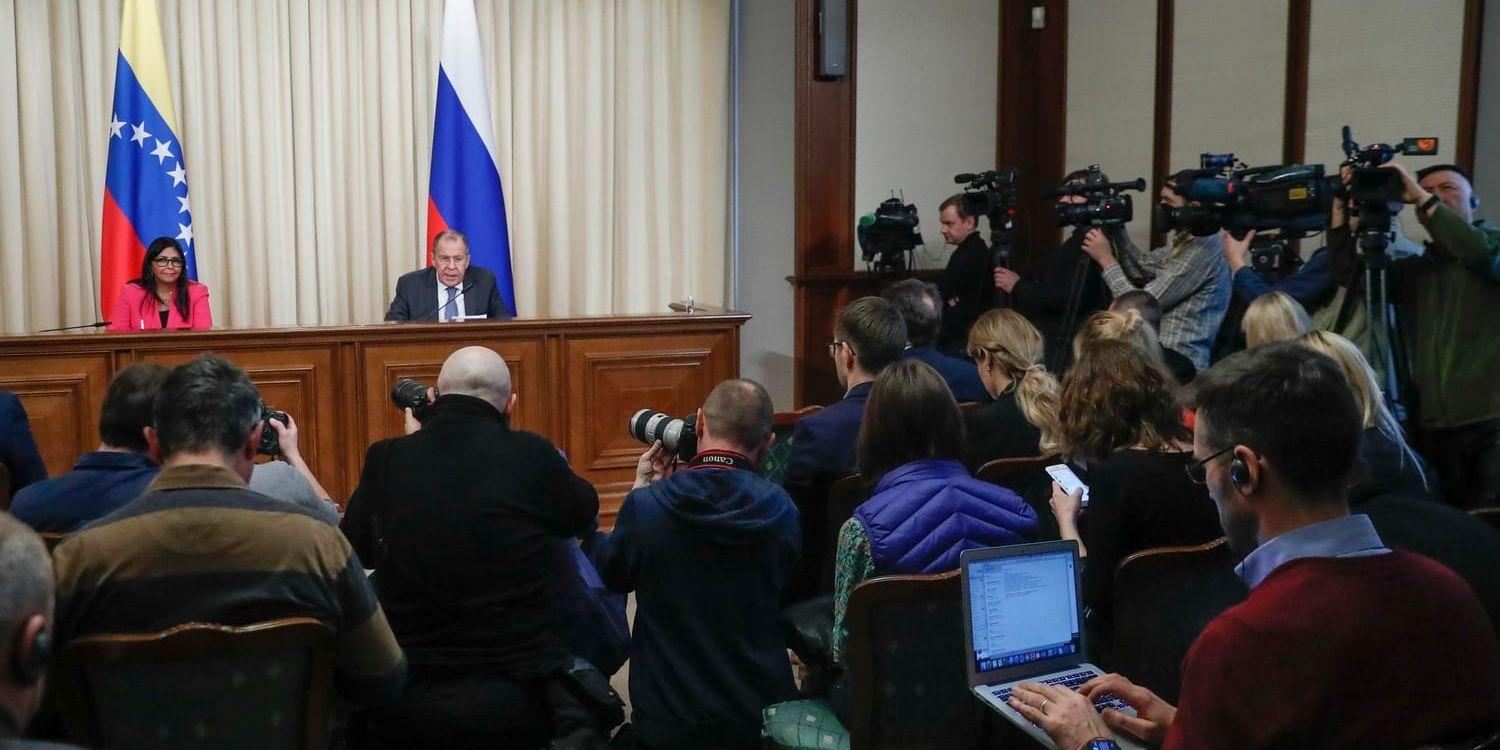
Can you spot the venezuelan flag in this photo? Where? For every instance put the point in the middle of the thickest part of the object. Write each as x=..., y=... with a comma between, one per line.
x=464, y=191
x=145, y=180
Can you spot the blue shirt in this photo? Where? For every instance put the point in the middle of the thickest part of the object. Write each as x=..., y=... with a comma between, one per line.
x=99, y=483
x=1349, y=536
x=17, y=448
x=1312, y=285
x=961, y=375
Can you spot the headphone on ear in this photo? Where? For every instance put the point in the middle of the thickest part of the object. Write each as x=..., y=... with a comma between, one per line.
x=1239, y=472
x=1473, y=200
x=31, y=663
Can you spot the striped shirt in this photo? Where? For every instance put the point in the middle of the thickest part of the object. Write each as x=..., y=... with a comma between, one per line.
x=199, y=546
x=1191, y=280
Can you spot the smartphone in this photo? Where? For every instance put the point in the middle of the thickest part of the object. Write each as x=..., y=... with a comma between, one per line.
x=1068, y=481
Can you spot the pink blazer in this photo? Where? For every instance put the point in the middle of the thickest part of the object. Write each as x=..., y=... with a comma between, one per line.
x=135, y=310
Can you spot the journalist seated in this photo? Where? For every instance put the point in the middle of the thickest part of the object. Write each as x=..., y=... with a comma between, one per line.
x=450, y=289
x=460, y=521
x=1022, y=420
x=25, y=631
x=1343, y=642
x=708, y=548
x=203, y=547
x=920, y=307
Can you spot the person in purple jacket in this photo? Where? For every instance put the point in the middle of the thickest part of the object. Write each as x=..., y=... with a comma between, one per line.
x=926, y=508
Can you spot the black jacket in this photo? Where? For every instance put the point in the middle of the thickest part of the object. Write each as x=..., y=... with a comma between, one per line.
x=467, y=509
x=1044, y=299
x=999, y=430
x=417, y=296
x=708, y=552
x=969, y=278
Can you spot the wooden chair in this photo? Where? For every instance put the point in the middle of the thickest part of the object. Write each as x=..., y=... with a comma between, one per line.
x=1028, y=478
x=4, y=487
x=782, y=422
x=1164, y=598
x=262, y=686
x=908, y=687
x=1490, y=516
x=1483, y=741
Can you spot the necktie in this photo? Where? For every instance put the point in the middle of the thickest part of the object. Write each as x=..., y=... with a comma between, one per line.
x=450, y=308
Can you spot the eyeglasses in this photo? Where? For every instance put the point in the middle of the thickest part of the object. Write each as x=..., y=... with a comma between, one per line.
x=448, y=260
x=168, y=262
x=1198, y=470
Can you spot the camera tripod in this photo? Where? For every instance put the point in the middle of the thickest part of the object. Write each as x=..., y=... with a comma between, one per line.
x=1386, y=341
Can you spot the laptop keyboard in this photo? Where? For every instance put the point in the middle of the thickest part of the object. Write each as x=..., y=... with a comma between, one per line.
x=1071, y=681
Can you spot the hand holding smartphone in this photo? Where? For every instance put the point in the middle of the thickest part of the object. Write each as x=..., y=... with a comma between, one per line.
x=1068, y=481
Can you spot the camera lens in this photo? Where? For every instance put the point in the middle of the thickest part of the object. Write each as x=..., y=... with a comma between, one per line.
x=649, y=426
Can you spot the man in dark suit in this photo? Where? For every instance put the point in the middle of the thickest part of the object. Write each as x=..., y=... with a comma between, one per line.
x=921, y=308
x=17, y=448
x=450, y=289
x=459, y=520
x=966, y=282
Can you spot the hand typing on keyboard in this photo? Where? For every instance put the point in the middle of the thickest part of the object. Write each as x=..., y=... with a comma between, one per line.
x=1062, y=712
x=1152, y=714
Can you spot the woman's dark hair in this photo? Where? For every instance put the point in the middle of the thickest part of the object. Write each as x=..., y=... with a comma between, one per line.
x=147, y=280
x=1113, y=398
x=910, y=415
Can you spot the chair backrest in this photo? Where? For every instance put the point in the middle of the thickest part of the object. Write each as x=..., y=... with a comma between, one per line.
x=774, y=464
x=1489, y=740
x=4, y=487
x=908, y=687
x=968, y=406
x=1164, y=598
x=1028, y=478
x=1490, y=516
x=264, y=686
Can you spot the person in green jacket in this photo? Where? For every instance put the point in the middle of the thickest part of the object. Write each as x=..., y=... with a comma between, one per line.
x=1451, y=301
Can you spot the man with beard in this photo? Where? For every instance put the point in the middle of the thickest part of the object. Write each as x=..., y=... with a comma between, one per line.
x=1343, y=642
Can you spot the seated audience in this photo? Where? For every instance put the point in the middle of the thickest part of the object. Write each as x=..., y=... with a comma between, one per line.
x=289, y=477
x=17, y=448
x=1129, y=327
x=869, y=335
x=921, y=309
x=1386, y=463
x=163, y=297
x=458, y=519
x=1182, y=369
x=113, y=474
x=1120, y=424
x=1022, y=419
x=25, y=627
x=708, y=550
x=925, y=508
x=199, y=546
x=1343, y=642
x=1274, y=317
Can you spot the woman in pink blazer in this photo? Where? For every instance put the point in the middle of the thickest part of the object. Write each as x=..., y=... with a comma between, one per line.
x=162, y=297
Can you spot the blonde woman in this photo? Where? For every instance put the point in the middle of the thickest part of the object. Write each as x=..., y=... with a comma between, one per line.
x=1128, y=326
x=1022, y=420
x=1387, y=463
x=1274, y=317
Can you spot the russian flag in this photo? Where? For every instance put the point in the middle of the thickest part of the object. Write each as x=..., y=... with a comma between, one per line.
x=464, y=191
x=145, y=181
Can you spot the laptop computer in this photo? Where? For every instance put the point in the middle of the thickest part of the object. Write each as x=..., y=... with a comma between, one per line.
x=1023, y=622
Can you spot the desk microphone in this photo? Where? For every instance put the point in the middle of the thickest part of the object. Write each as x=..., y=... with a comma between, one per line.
x=100, y=324
x=434, y=312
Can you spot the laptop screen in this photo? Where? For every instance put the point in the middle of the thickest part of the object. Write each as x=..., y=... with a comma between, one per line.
x=1023, y=609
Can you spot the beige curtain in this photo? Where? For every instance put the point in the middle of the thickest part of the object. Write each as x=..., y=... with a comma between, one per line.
x=305, y=126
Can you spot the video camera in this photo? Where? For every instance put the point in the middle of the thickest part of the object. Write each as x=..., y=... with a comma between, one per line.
x=992, y=194
x=1105, y=203
x=888, y=234
x=1292, y=198
x=1372, y=190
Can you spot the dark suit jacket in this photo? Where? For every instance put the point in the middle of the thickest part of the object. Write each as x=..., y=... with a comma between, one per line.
x=417, y=296
x=17, y=448
x=961, y=375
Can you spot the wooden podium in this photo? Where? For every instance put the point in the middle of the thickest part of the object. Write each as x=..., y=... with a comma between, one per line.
x=579, y=380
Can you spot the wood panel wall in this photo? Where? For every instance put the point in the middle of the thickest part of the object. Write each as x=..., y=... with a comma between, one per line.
x=578, y=379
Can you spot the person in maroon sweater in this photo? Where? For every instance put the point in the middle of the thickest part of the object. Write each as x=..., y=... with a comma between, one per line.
x=1342, y=643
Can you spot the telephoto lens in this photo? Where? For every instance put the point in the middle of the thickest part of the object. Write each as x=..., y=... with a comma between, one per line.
x=677, y=435
x=411, y=394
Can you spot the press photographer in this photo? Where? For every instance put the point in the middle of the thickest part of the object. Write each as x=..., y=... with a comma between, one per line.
x=1069, y=287
x=1187, y=276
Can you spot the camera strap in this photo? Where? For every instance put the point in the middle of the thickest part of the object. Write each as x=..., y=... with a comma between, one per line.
x=717, y=459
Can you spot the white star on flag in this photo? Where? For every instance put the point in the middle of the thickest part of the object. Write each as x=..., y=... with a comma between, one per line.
x=179, y=175
x=186, y=235
x=114, y=127
x=163, y=152
x=139, y=134
x=183, y=199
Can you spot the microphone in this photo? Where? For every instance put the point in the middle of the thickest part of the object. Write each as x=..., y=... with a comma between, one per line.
x=433, y=313
x=99, y=324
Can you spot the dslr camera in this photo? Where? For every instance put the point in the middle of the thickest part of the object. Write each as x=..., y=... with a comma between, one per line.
x=1105, y=204
x=270, y=441
x=1292, y=198
x=886, y=236
x=678, y=435
x=408, y=393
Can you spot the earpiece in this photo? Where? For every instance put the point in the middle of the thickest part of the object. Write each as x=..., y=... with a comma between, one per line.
x=1239, y=472
x=29, y=664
